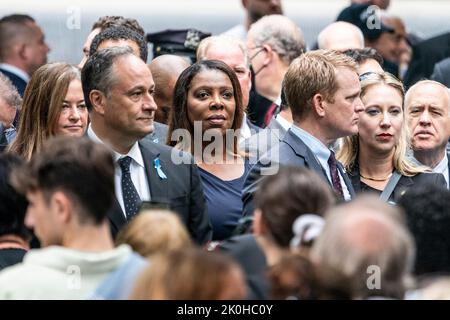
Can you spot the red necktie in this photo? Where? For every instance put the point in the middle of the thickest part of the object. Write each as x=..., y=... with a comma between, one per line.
x=336, y=181
x=269, y=114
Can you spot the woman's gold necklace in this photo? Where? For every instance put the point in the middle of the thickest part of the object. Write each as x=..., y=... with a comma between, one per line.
x=373, y=179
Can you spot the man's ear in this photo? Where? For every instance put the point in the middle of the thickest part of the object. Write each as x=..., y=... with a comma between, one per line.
x=244, y=3
x=98, y=101
x=318, y=105
x=62, y=206
x=259, y=228
x=22, y=51
x=269, y=56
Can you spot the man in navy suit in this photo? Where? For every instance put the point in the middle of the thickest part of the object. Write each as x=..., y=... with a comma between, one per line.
x=118, y=90
x=322, y=89
x=22, y=49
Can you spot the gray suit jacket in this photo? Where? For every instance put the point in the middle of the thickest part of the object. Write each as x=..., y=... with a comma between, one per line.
x=291, y=151
x=159, y=134
x=258, y=144
x=441, y=72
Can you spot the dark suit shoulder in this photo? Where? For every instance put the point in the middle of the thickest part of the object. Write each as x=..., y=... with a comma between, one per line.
x=429, y=178
x=165, y=152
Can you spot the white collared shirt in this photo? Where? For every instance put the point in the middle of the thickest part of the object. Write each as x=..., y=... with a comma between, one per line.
x=245, y=132
x=18, y=72
x=283, y=122
x=322, y=154
x=137, y=171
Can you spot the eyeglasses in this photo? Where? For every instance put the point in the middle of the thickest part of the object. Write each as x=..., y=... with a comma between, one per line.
x=257, y=52
x=366, y=75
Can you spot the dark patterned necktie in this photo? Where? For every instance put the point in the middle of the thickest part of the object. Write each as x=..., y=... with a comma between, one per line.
x=131, y=199
x=336, y=181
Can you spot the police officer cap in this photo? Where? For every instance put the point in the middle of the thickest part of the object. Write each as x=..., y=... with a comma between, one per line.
x=182, y=42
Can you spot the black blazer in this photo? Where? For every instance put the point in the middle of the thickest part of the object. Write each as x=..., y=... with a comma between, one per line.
x=403, y=184
x=291, y=151
x=182, y=191
x=17, y=81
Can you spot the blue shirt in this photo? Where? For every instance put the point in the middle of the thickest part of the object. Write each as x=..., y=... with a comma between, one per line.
x=322, y=154
x=223, y=199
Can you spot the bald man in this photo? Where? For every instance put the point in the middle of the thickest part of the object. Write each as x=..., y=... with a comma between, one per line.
x=340, y=36
x=427, y=109
x=165, y=70
x=366, y=242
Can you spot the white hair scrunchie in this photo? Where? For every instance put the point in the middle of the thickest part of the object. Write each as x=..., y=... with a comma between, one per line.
x=306, y=228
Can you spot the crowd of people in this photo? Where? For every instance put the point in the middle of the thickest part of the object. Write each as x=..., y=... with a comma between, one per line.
x=244, y=165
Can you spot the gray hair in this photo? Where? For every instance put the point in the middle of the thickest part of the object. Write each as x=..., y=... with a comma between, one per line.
x=97, y=73
x=424, y=82
x=9, y=92
x=206, y=43
x=362, y=236
x=281, y=34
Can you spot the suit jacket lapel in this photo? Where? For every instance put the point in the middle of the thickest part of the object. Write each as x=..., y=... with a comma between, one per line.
x=302, y=150
x=158, y=187
x=277, y=128
x=116, y=215
x=448, y=163
x=347, y=180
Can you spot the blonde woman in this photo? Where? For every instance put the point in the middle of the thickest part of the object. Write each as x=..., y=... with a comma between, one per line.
x=376, y=158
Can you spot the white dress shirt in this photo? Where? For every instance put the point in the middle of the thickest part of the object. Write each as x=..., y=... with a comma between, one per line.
x=283, y=122
x=137, y=171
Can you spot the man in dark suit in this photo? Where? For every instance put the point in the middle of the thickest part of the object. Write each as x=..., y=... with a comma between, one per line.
x=427, y=107
x=322, y=89
x=22, y=50
x=118, y=89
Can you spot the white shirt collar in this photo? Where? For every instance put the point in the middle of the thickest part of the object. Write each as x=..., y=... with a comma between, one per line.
x=245, y=129
x=134, y=153
x=441, y=166
x=18, y=72
x=283, y=122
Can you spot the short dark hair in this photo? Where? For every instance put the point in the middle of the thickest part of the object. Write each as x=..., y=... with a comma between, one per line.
x=283, y=197
x=120, y=33
x=13, y=205
x=79, y=167
x=106, y=22
x=97, y=73
x=427, y=209
x=362, y=55
x=17, y=18
x=12, y=28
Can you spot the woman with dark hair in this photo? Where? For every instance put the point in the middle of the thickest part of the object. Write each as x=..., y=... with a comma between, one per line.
x=287, y=218
x=53, y=104
x=205, y=120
